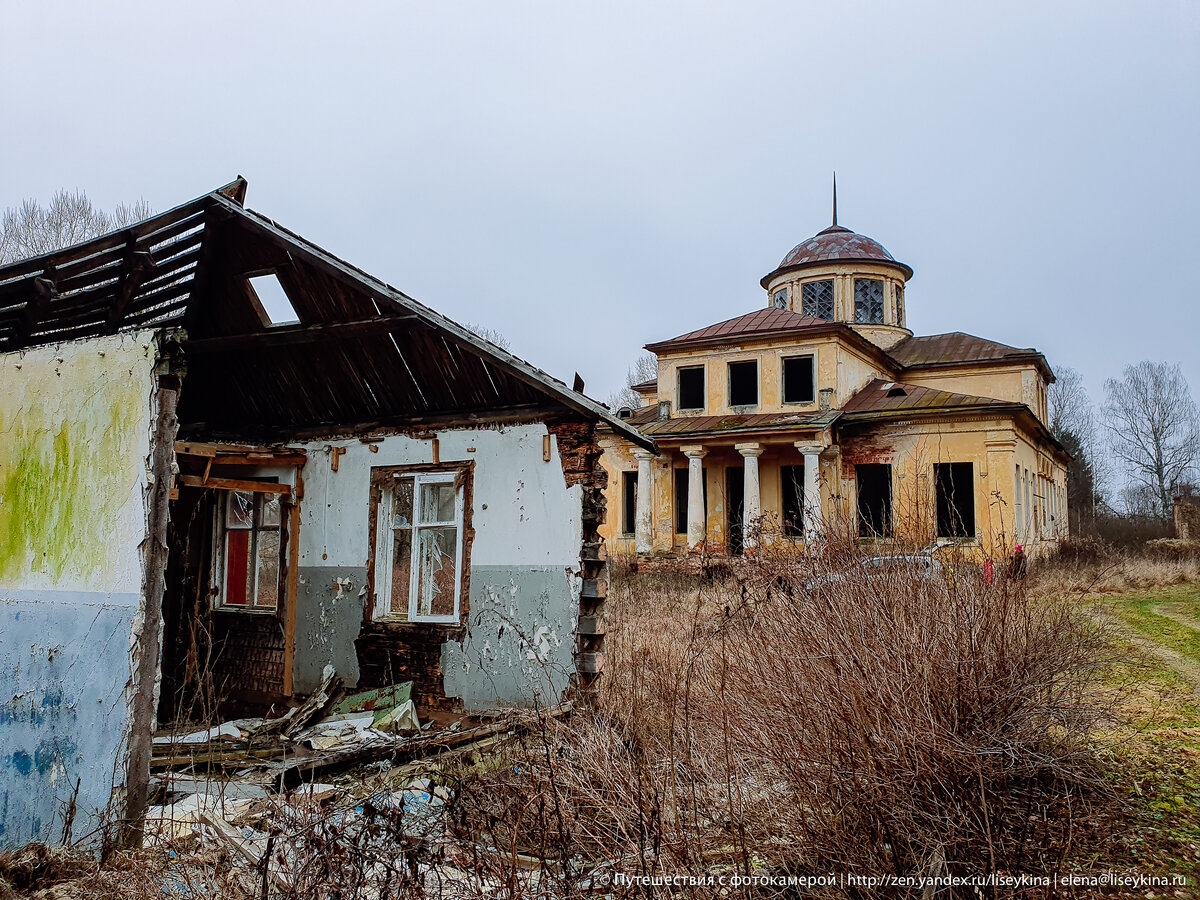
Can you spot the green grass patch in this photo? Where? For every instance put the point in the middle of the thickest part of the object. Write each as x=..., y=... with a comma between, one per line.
x=1138, y=611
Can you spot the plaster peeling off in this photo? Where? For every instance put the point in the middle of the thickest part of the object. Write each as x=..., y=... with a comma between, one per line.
x=539, y=648
x=340, y=586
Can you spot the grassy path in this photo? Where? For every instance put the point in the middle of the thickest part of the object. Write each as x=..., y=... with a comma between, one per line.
x=1163, y=623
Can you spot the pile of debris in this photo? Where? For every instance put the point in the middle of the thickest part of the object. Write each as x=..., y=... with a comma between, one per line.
x=248, y=788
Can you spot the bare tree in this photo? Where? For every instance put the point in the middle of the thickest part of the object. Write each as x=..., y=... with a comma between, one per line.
x=491, y=335
x=1153, y=427
x=1073, y=423
x=644, y=368
x=69, y=218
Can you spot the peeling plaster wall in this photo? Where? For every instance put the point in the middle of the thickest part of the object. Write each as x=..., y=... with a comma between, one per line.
x=516, y=648
x=75, y=423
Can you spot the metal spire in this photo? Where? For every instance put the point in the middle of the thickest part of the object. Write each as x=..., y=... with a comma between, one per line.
x=835, y=198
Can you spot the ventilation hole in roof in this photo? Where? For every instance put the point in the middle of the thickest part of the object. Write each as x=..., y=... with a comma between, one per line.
x=274, y=300
x=625, y=413
x=897, y=392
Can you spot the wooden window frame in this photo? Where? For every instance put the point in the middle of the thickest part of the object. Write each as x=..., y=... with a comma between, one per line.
x=382, y=477
x=220, y=543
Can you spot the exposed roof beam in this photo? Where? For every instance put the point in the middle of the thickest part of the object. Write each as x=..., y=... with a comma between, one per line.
x=290, y=335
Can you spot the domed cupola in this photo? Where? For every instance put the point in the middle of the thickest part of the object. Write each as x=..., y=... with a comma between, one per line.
x=842, y=276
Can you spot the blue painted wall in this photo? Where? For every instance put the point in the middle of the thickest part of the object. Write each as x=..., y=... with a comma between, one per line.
x=64, y=667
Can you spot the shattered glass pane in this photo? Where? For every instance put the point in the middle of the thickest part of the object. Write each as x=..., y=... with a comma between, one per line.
x=868, y=301
x=401, y=570
x=402, y=505
x=436, y=583
x=239, y=510
x=268, y=569
x=270, y=510
x=437, y=502
x=780, y=298
x=818, y=299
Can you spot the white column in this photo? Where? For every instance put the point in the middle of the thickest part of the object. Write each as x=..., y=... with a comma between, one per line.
x=695, y=499
x=752, y=507
x=643, y=539
x=812, y=492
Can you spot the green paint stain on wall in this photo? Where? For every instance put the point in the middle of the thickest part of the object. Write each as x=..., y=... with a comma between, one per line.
x=70, y=461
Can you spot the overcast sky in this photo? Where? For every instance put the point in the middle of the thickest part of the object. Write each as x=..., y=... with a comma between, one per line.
x=587, y=178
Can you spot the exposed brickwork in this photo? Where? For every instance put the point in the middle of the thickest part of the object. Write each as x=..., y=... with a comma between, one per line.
x=393, y=653
x=249, y=651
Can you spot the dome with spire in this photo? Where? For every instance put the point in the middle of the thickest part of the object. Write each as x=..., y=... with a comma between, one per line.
x=836, y=244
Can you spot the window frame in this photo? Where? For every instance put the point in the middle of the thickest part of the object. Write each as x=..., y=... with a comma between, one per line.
x=679, y=370
x=757, y=382
x=973, y=525
x=832, y=282
x=775, y=297
x=379, y=607
x=783, y=364
x=629, y=489
x=219, y=574
x=882, y=301
x=862, y=474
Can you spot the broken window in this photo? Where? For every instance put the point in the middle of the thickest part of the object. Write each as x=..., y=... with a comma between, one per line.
x=793, y=500
x=419, y=547
x=743, y=383
x=900, y=305
x=779, y=298
x=629, y=486
x=955, y=486
x=249, y=526
x=798, y=381
x=868, y=301
x=691, y=387
x=874, y=482
x=681, y=499
x=818, y=298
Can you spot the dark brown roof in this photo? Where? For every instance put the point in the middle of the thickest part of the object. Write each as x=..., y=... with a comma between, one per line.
x=362, y=355
x=760, y=323
x=957, y=347
x=887, y=396
x=645, y=387
x=694, y=425
x=835, y=244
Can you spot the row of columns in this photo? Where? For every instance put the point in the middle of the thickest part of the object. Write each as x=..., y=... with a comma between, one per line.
x=752, y=509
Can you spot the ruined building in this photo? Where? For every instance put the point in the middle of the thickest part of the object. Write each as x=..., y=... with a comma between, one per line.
x=229, y=460
x=823, y=406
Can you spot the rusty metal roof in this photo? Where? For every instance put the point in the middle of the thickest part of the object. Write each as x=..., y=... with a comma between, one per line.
x=363, y=354
x=760, y=323
x=888, y=396
x=957, y=347
x=836, y=244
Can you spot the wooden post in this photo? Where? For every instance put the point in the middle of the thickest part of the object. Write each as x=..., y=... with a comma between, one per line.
x=145, y=681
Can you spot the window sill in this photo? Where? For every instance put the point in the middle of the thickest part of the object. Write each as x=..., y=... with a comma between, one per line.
x=401, y=624
x=246, y=610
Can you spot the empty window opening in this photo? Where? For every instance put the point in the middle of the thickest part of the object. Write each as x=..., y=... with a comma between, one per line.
x=743, y=383
x=818, y=299
x=681, y=499
x=897, y=392
x=629, y=487
x=248, y=571
x=779, y=298
x=793, y=500
x=691, y=387
x=900, y=305
x=868, y=301
x=874, y=499
x=274, y=300
x=419, y=547
x=798, y=382
x=955, y=485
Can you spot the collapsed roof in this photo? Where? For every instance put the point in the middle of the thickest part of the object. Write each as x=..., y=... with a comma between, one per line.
x=361, y=354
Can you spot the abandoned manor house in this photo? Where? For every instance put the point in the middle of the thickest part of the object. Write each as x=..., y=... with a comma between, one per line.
x=205, y=500
x=823, y=407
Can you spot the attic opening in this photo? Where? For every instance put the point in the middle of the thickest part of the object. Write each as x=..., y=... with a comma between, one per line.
x=274, y=304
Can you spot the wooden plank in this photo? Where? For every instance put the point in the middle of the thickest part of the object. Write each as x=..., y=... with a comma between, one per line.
x=293, y=575
x=290, y=335
x=235, y=484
